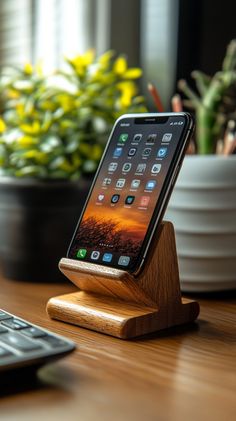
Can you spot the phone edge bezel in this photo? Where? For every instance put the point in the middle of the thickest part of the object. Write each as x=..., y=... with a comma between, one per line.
x=141, y=256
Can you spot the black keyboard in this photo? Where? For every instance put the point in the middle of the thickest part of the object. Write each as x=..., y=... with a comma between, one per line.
x=23, y=344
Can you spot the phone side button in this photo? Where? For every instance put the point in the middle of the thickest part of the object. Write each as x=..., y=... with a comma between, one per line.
x=175, y=175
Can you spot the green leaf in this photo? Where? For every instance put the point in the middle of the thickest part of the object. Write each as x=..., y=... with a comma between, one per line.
x=56, y=126
x=32, y=171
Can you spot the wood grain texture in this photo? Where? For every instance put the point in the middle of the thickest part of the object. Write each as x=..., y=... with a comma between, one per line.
x=182, y=374
x=113, y=317
x=114, y=302
x=105, y=281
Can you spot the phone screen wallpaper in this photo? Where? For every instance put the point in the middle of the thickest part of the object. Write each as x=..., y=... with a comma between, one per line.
x=121, y=205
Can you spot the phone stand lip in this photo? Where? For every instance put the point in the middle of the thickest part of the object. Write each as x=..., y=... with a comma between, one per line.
x=114, y=302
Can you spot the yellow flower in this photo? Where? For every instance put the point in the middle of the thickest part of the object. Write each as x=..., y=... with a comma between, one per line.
x=40, y=157
x=132, y=73
x=48, y=105
x=26, y=141
x=88, y=57
x=81, y=62
x=103, y=78
x=20, y=109
x=66, y=102
x=104, y=59
x=65, y=124
x=31, y=129
x=28, y=69
x=2, y=126
x=13, y=94
x=120, y=66
x=128, y=90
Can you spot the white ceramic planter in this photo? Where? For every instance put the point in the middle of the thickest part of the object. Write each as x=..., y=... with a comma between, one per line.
x=203, y=210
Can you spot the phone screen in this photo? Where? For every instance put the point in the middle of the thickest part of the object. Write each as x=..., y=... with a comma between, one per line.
x=129, y=188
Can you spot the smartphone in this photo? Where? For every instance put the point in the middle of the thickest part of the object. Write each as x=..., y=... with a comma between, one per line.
x=131, y=190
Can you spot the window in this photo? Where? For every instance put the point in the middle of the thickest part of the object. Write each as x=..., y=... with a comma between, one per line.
x=159, y=28
x=15, y=31
x=48, y=30
x=34, y=30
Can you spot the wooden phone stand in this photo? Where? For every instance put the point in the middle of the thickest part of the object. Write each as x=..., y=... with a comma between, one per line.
x=114, y=302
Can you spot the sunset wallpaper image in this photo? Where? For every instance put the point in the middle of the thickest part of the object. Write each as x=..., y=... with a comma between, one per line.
x=123, y=199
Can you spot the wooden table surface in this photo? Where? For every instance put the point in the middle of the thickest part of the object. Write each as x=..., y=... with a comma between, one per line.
x=181, y=374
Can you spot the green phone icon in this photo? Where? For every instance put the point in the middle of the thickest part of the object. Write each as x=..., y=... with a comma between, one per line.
x=81, y=253
x=123, y=137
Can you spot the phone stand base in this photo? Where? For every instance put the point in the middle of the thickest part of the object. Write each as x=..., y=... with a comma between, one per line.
x=114, y=302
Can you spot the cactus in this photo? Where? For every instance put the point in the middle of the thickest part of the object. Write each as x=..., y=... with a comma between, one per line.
x=215, y=102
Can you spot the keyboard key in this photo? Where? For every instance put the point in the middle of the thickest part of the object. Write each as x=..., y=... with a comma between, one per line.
x=19, y=342
x=53, y=341
x=15, y=324
x=4, y=315
x=3, y=329
x=4, y=352
x=34, y=332
x=22, y=344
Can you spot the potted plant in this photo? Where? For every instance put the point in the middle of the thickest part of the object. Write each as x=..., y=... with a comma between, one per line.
x=53, y=130
x=203, y=204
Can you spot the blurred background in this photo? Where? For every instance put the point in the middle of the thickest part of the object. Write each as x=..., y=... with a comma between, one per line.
x=166, y=38
x=52, y=135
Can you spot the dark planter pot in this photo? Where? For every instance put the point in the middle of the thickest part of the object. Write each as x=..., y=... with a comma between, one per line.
x=37, y=220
